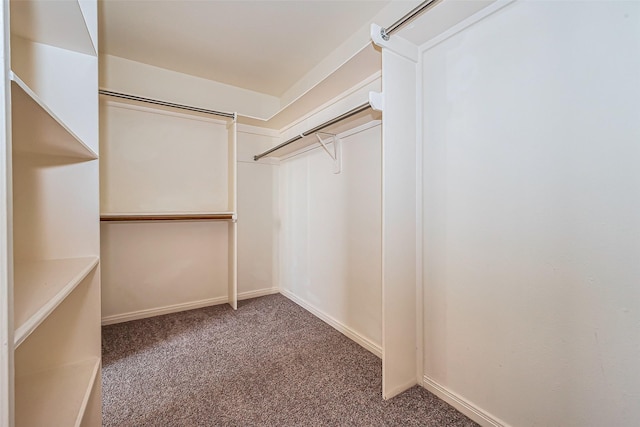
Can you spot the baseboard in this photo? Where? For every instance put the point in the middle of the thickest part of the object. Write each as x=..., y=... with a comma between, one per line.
x=258, y=293
x=340, y=327
x=151, y=312
x=461, y=404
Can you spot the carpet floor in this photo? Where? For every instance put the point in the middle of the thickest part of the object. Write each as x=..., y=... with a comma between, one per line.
x=270, y=363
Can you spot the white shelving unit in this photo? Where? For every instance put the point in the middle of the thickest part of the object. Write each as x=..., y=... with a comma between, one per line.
x=52, y=287
x=162, y=167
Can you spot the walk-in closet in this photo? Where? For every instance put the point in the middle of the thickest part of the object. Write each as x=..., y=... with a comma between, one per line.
x=367, y=213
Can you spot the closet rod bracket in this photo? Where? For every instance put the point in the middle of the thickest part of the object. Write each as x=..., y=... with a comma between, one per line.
x=336, y=156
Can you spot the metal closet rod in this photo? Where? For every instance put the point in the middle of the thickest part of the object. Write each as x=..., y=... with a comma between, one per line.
x=318, y=128
x=166, y=104
x=422, y=7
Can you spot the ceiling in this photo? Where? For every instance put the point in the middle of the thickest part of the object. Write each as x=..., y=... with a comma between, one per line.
x=260, y=45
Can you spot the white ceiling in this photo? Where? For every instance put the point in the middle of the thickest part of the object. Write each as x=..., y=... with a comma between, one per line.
x=261, y=45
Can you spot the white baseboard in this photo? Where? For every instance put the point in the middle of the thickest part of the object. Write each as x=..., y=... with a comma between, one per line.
x=159, y=311
x=461, y=404
x=340, y=327
x=258, y=293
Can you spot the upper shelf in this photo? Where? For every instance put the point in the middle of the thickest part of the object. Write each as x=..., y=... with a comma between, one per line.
x=362, y=67
x=56, y=23
x=37, y=129
x=351, y=119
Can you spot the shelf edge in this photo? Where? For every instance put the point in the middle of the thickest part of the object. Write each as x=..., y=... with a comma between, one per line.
x=87, y=394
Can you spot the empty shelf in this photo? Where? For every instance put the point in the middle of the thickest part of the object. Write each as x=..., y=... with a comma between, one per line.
x=56, y=23
x=56, y=397
x=37, y=129
x=39, y=287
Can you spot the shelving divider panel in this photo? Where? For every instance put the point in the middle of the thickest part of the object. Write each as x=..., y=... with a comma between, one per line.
x=232, y=182
x=233, y=266
x=41, y=286
x=56, y=23
x=6, y=226
x=37, y=129
x=56, y=397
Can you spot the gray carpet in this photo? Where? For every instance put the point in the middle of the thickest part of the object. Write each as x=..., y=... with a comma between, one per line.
x=270, y=363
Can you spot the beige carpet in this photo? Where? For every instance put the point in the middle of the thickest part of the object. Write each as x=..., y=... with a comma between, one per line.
x=270, y=363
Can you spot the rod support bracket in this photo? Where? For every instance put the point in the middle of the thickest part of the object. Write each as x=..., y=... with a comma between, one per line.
x=336, y=156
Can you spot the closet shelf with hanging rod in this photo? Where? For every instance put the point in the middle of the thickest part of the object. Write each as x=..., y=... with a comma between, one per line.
x=166, y=104
x=357, y=116
x=130, y=217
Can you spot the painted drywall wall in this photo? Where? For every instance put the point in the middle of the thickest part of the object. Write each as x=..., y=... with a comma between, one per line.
x=532, y=214
x=330, y=257
x=161, y=161
x=257, y=214
x=150, y=269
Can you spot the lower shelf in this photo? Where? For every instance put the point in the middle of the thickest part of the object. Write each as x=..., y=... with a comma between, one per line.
x=57, y=397
x=41, y=286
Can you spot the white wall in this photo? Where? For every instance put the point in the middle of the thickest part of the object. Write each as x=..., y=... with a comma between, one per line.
x=330, y=237
x=156, y=268
x=257, y=214
x=160, y=161
x=532, y=214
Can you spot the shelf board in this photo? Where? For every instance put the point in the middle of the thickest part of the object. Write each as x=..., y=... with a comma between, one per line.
x=56, y=23
x=195, y=216
x=40, y=286
x=37, y=129
x=56, y=397
x=363, y=65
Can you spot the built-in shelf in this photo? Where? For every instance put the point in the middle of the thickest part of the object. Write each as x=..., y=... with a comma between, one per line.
x=37, y=129
x=130, y=217
x=56, y=23
x=56, y=397
x=364, y=66
x=40, y=286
